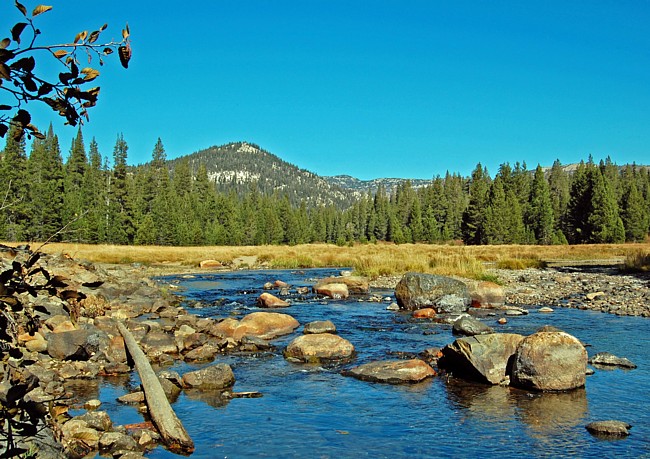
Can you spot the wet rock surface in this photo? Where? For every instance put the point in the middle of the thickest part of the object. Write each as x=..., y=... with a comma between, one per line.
x=392, y=371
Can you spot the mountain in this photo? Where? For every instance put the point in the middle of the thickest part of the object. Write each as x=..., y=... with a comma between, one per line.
x=363, y=186
x=239, y=165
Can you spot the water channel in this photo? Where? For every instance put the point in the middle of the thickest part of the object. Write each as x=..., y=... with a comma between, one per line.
x=313, y=411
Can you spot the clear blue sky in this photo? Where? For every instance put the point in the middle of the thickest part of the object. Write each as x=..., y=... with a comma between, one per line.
x=374, y=88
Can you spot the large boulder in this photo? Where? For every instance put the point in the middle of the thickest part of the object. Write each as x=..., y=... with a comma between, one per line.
x=265, y=325
x=419, y=290
x=74, y=344
x=319, y=347
x=393, y=371
x=549, y=361
x=487, y=294
x=356, y=285
x=214, y=377
x=482, y=358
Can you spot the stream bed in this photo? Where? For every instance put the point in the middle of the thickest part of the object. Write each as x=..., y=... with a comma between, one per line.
x=311, y=411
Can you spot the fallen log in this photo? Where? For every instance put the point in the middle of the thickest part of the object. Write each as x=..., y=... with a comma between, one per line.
x=169, y=426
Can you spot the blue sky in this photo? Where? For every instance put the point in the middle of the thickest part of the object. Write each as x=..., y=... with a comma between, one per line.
x=373, y=88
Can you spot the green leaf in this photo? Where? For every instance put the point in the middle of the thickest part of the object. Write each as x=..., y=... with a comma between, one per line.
x=16, y=30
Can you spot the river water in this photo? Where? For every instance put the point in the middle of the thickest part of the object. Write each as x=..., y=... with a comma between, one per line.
x=311, y=411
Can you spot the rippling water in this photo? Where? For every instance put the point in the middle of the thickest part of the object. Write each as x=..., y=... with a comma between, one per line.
x=313, y=411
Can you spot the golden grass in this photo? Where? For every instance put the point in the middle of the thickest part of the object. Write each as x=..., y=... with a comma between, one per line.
x=371, y=260
x=637, y=261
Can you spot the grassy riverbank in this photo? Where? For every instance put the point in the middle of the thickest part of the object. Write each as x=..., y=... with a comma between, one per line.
x=371, y=260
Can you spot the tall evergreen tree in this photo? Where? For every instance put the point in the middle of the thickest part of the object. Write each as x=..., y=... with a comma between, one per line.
x=13, y=188
x=540, y=215
x=474, y=216
x=120, y=218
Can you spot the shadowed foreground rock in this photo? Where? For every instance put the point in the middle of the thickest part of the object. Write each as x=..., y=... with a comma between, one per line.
x=482, y=358
x=549, y=361
x=418, y=290
x=392, y=371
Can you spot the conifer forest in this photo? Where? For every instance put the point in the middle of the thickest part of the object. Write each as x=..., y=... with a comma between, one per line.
x=91, y=198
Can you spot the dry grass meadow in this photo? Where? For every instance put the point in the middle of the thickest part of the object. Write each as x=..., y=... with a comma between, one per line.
x=372, y=260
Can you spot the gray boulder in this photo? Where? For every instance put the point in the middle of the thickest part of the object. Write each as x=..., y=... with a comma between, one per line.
x=393, y=371
x=549, y=361
x=482, y=358
x=470, y=326
x=78, y=344
x=418, y=290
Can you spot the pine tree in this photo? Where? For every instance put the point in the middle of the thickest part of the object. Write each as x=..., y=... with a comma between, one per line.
x=540, y=215
x=13, y=188
x=120, y=227
x=604, y=223
x=74, y=208
x=634, y=213
x=475, y=215
x=45, y=170
x=496, y=224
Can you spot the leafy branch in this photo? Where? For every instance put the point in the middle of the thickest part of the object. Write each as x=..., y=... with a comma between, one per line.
x=68, y=94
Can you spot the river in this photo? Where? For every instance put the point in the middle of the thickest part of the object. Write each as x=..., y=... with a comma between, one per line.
x=313, y=411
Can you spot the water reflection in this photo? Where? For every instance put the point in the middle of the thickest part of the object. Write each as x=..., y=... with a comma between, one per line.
x=548, y=413
x=488, y=403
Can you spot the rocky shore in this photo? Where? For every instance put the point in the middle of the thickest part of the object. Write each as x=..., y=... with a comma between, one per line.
x=606, y=289
x=75, y=338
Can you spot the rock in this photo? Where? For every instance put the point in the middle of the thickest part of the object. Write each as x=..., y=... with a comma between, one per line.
x=210, y=264
x=594, y=295
x=92, y=404
x=204, y=353
x=319, y=326
x=265, y=325
x=393, y=371
x=549, y=361
x=609, y=428
x=116, y=350
x=111, y=442
x=266, y=300
x=77, y=428
x=225, y=328
x=133, y=398
x=606, y=358
x=98, y=420
x=482, y=358
x=72, y=345
x=316, y=348
x=424, y=313
x=356, y=285
x=393, y=307
x=35, y=343
x=170, y=389
x=486, y=295
x=335, y=291
x=502, y=321
x=157, y=342
x=418, y=290
x=470, y=326
x=545, y=309
x=214, y=377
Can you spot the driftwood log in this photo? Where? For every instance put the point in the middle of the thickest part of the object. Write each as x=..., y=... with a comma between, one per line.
x=169, y=426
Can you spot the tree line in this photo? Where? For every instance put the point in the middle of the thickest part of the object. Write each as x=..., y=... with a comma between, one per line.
x=89, y=200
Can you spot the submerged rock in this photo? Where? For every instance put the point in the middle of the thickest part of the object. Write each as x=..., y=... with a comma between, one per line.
x=550, y=361
x=419, y=290
x=609, y=428
x=319, y=326
x=470, y=326
x=392, y=371
x=608, y=359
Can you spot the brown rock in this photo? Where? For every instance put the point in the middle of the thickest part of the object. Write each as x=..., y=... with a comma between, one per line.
x=266, y=300
x=424, y=313
x=334, y=290
x=393, y=371
x=355, y=284
x=487, y=295
x=319, y=347
x=265, y=325
x=207, y=264
x=214, y=377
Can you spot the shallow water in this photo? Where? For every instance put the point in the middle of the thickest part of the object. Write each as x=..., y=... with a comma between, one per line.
x=313, y=411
